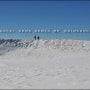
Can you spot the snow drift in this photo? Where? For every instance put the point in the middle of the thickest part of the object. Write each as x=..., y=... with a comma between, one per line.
x=44, y=64
x=54, y=44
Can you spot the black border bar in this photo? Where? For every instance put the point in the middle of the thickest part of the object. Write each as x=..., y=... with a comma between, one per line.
x=44, y=89
x=44, y=0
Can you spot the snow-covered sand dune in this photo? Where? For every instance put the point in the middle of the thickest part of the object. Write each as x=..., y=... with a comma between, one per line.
x=44, y=64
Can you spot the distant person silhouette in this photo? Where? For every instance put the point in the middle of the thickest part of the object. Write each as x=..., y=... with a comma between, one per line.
x=38, y=37
x=35, y=37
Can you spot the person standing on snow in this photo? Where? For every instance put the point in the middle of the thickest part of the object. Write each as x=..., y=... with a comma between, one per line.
x=38, y=37
x=35, y=37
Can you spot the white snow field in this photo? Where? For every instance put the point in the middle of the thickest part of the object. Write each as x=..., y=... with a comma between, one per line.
x=44, y=64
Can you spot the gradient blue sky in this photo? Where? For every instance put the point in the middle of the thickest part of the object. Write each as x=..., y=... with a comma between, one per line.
x=45, y=15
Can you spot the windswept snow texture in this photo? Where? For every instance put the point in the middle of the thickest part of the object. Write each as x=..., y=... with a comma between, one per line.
x=44, y=64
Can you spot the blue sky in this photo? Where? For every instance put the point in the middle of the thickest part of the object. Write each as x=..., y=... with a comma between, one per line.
x=45, y=15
